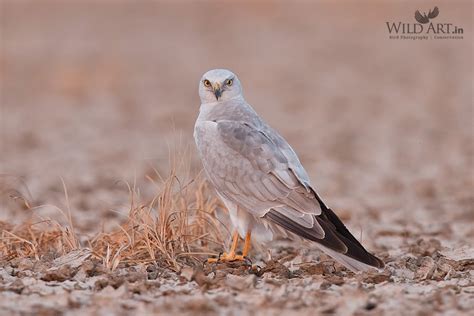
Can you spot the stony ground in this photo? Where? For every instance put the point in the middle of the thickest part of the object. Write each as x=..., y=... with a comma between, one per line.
x=422, y=280
x=98, y=94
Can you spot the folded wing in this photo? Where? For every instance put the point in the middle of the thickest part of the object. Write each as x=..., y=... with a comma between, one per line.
x=270, y=182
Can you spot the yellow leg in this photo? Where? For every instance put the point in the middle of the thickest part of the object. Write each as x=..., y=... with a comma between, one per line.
x=235, y=242
x=231, y=255
x=246, y=250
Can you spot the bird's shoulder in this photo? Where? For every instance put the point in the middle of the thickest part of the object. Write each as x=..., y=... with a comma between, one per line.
x=262, y=145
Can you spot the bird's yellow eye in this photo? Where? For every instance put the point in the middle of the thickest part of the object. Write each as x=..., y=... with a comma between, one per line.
x=229, y=82
x=207, y=83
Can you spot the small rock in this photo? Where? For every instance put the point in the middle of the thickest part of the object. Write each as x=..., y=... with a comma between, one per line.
x=273, y=281
x=111, y=292
x=374, y=277
x=334, y=279
x=187, y=273
x=17, y=286
x=403, y=273
x=325, y=285
x=10, y=270
x=426, y=247
x=60, y=275
x=202, y=280
x=155, y=271
x=331, y=280
x=320, y=268
x=26, y=264
x=444, y=271
x=276, y=268
x=297, y=260
x=100, y=284
x=427, y=268
x=459, y=254
x=73, y=259
x=468, y=289
x=371, y=304
x=312, y=269
x=93, y=268
x=240, y=283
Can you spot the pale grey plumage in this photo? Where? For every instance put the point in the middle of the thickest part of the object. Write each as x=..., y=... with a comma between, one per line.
x=256, y=172
x=250, y=164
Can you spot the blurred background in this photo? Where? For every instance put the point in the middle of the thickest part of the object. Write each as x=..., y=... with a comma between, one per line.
x=100, y=92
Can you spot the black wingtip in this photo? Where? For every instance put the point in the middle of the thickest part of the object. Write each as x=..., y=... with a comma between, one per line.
x=337, y=236
x=354, y=247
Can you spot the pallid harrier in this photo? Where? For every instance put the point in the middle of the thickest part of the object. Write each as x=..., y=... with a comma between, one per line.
x=260, y=179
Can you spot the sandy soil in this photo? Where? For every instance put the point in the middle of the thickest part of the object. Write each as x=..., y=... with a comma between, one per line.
x=97, y=94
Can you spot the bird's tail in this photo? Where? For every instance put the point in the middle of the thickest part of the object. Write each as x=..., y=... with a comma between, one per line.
x=336, y=241
x=350, y=263
x=356, y=258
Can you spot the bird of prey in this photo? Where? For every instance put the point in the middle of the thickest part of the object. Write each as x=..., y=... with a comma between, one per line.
x=260, y=179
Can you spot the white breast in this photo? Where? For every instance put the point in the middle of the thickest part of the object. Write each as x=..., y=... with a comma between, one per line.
x=213, y=153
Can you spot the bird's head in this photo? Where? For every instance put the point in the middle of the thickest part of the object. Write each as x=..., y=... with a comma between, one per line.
x=219, y=85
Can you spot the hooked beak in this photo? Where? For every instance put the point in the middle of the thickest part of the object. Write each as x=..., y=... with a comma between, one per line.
x=217, y=91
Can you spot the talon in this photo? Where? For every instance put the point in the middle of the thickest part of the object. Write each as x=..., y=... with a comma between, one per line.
x=238, y=258
x=231, y=256
x=216, y=260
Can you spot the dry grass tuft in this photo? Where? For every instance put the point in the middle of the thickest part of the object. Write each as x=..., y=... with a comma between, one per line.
x=34, y=241
x=178, y=226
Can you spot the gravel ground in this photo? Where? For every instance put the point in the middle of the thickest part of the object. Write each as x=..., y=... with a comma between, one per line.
x=98, y=94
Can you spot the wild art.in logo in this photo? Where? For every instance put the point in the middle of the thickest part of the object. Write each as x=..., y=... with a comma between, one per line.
x=425, y=18
x=425, y=28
